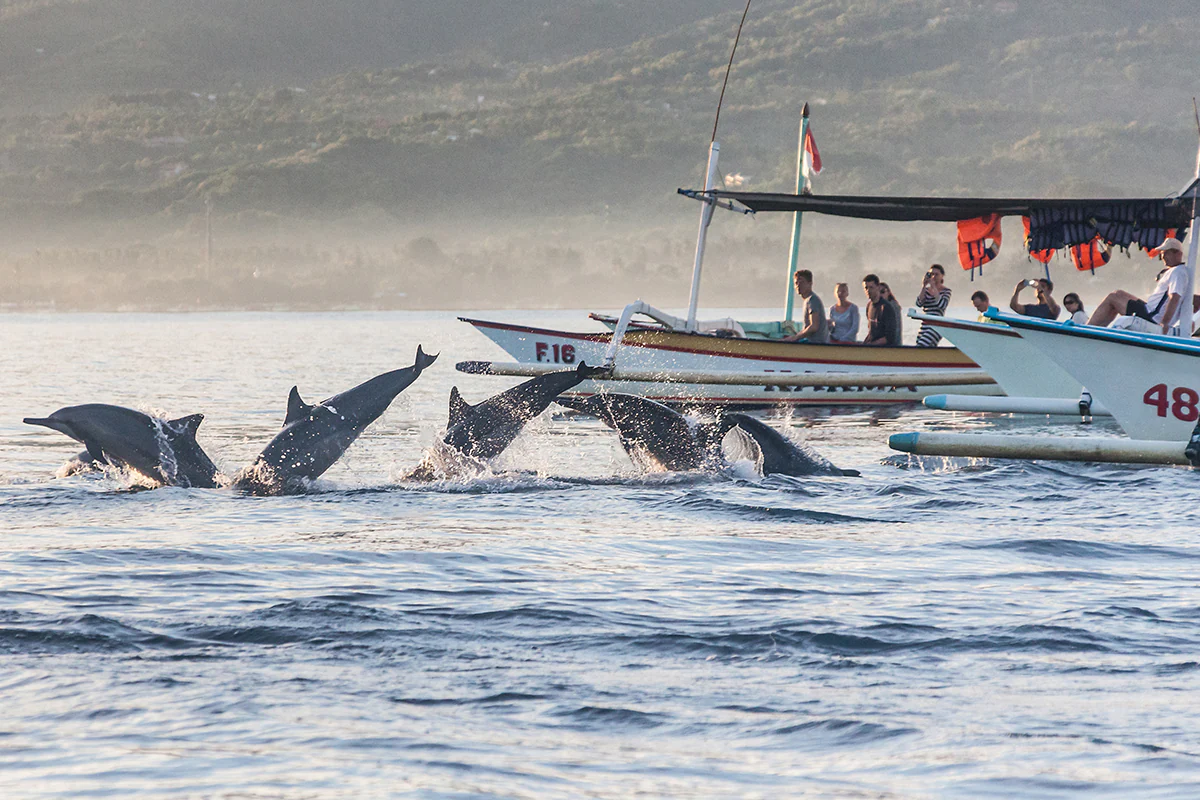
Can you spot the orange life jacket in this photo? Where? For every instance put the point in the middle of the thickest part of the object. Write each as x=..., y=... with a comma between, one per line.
x=973, y=235
x=1043, y=256
x=1095, y=253
x=1155, y=253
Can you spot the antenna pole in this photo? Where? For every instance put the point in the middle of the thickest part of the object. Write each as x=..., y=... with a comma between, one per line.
x=728, y=69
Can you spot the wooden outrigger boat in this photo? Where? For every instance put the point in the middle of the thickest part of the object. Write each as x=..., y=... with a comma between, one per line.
x=1148, y=382
x=753, y=373
x=754, y=366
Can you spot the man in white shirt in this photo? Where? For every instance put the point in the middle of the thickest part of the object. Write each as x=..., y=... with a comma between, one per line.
x=1162, y=309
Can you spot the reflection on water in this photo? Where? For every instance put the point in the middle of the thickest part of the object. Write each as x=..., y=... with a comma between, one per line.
x=564, y=625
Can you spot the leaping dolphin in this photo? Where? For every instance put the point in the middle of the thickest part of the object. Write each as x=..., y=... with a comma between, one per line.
x=483, y=431
x=781, y=455
x=315, y=436
x=165, y=451
x=651, y=431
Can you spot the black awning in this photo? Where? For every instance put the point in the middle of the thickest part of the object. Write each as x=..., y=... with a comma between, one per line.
x=953, y=209
x=1054, y=223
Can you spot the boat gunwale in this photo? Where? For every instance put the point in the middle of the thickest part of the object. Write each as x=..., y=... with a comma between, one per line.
x=1182, y=346
x=604, y=337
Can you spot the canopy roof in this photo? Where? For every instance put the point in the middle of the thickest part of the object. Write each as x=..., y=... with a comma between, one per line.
x=1166, y=212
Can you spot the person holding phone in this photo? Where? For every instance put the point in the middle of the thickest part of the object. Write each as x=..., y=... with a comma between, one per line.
x=933, y=299
x=1044, y=308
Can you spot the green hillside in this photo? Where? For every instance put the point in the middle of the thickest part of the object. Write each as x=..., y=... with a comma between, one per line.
x=125, y=115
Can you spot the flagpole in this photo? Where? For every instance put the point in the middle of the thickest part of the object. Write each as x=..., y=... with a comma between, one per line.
x=794, y=254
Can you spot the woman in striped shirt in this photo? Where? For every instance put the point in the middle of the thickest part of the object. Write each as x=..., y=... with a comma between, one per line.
x=933, y=299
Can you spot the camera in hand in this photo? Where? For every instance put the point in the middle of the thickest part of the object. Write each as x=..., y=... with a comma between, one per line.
x=1031, y=283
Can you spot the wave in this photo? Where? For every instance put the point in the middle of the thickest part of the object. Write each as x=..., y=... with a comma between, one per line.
x=491, y=699
x=843, y=732
x=755, y=512
x=593, y=717
x=1076, y=548
x=88, y=633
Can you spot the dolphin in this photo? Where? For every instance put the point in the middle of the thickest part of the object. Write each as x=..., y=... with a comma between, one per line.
x=165, y=451
x=483, y=431
x=781, y=455
x=315, y=436
x=649, y=430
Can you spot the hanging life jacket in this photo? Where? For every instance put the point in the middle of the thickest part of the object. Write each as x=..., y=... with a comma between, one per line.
x=1155, y=252
x=1095, y=253
x=1043, y=256
x=973, y=247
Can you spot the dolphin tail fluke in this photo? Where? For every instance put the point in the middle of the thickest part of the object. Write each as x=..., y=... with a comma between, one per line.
x=584, y=371
x=423, y=359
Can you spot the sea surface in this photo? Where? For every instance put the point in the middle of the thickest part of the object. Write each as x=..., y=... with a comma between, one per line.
x=566, y=625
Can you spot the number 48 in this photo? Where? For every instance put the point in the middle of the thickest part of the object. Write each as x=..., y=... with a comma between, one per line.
x=1183, y=407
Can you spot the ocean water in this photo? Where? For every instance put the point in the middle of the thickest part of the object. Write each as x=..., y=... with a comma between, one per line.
x=566, y=626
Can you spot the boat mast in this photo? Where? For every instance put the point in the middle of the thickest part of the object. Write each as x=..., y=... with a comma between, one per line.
x=794, y=255
x=706, y=212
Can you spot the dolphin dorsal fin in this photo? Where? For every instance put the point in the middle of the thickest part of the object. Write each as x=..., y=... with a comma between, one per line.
x=459, y=408
x=187, y=425
x=297, y=408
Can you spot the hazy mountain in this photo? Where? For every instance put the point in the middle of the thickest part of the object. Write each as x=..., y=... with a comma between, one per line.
x=56, y=51
x=404, y=114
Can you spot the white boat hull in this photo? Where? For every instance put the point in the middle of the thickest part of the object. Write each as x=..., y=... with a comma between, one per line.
x=1019, y=368
x=1150, y=384
x=655, y=350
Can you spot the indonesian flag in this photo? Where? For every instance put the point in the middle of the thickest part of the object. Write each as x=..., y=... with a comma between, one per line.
x=812, y=156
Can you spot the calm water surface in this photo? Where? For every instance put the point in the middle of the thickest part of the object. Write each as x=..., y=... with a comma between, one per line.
x=566, y=626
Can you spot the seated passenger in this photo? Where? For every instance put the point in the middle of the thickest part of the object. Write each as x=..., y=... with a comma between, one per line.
x=812, y=312
x=885, y=292
x=881, y=328
x=1162, y=309
x=982, y=303
x=843, y=317
x=1074, y=307
x=1045, y=307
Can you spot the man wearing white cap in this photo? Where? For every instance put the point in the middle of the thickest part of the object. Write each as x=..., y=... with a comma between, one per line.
x=1162, y=309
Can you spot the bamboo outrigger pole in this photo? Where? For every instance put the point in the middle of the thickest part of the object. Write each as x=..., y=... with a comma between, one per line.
x=933, y=377
x=794, y=254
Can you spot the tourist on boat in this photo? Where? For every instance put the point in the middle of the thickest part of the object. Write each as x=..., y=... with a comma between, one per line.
x=812, y=312
x=982, y=304
x=885, y=292
x=881, y=329
x=1162, y=309
x=843, y=316
x=933, y=299
x=1045, y=308
x=1074, y=307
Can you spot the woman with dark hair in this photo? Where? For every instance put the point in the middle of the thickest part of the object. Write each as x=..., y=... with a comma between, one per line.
x=1074, y=307
x=885, y=292
x=933, y=299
